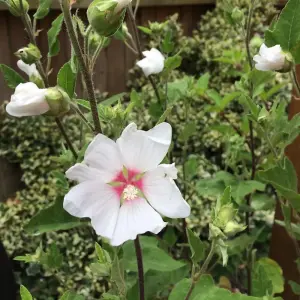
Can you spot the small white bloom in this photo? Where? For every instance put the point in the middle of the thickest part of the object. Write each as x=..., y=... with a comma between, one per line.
x=121, y=5
x=28, y=100
x=153, y=63
x=123, y=188
x=30, y=70
x=269, y=59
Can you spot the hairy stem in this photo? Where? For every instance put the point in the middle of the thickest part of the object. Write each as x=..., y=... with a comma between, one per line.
x=139, y=49
x=295, y=81
x=203, y=269
x=252, y=144
x=65, y=6
x=66, y=137
x=139, y=258
x=31, y=34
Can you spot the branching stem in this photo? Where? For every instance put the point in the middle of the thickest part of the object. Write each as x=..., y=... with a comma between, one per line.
x=65, y=6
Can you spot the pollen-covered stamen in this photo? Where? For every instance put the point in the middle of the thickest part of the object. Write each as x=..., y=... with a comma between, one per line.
x=130, y=192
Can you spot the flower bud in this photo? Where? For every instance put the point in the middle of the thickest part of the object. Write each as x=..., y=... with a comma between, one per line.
x=15, y=8
x=215, y=232
x=233, y=228
x=29, y=55
x=58, y=101
x=237, y=15
x=105, y=17
x=273, y=59
x=32, y=72
x=225, y=215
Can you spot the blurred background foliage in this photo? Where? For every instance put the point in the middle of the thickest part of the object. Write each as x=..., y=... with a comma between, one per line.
x=204, y=144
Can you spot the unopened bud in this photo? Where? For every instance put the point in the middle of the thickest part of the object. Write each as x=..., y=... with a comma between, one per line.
x=29, y=55
x=104, y=18
x=225, y=214
x=58, y=101
x=237, y=15
x=16, y=9
x=233, y=228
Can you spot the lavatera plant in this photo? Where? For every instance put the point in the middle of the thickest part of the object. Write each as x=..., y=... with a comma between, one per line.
x=121, y=183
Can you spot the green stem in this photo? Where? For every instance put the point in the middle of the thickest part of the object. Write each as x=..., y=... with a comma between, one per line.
x=66, y=137
x=82, y=116
x=65, y=6
x=295, y=81
x=203, y=269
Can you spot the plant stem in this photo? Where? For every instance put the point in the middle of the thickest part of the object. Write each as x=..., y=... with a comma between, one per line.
x=203, y=269
x=139, y=49
x=31, y=34
x=252, y=144
x=66, y=137
x=139, y=258
x=295, y=81
x=82, y=116
x=65, y=6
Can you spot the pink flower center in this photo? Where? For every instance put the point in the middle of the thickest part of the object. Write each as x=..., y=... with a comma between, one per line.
x=128, y=185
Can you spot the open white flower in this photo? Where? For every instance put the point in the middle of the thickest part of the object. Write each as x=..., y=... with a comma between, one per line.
x=28, y=100
x=30, y=70
x=269, y=59
x=123, y=188
x=153, y=63
x=121, y=5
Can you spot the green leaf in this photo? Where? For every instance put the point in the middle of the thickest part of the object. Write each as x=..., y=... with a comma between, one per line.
x=53, y=41
x=286, y=31
x=262, y=202
x=181, y=289
x=69, y=295
x=267, y=278
x=43, y=9
x=52, y=218
x=52, y=258
x=167, y=44
x=241, y=188
x=173, y=62
x=197, y=247
x=284, y=178
x=12, y=78
x=113, y=99
x=188, y=131
x=191, y=167
x=146, y=30
x=25, y=294
x=170, y=236
x=107, y=296
x=84, y=103
x=202, y=84
x=154, y=258
x=102, y=270
x=117, y=275
x=295, y=287
x=215, y=96
x=66, y=79
x=205, y=289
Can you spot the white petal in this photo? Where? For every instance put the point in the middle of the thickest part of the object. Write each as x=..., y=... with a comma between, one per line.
x=136, y=217
x=163, y=194
x=28, y=100
x=82, y=172
x=153, y=63
x=103, y=154
x=28, y=69
x=144, y=150
x=97, y=201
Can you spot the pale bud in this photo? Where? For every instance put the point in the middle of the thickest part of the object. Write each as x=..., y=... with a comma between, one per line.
x=58, y=101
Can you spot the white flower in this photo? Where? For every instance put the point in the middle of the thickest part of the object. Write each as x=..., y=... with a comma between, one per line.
x=30, y=70
x=153, y=63
x=121, y=5
x=269, y=59
x=28, y=100
x=123, y=188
